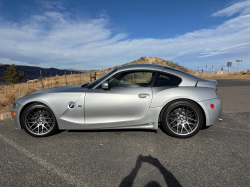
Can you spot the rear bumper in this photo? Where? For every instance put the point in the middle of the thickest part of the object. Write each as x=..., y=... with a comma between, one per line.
x=212, y=114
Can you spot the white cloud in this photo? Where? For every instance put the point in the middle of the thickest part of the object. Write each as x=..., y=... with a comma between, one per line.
x=55, y=39
x=51, y=4
x=243, y=7
x=223, y=50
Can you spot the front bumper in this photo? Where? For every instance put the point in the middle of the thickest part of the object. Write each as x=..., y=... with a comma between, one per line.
x=16, y=117
x=212, y=114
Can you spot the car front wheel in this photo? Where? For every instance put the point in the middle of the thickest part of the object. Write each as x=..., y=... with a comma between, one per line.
x=182, y=119
x=38, y=120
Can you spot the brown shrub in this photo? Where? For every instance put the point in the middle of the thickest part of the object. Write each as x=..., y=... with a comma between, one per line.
x=2, y=103
x=243, y=72
x=10, y=98
x=29, y=91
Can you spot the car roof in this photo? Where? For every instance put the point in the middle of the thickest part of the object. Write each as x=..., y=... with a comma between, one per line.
x=149, y=67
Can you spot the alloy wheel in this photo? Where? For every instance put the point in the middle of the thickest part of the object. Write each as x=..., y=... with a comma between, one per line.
x=39, y=121
x=182, y=120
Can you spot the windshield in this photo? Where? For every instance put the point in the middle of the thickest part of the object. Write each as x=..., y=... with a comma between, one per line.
x=92, y=84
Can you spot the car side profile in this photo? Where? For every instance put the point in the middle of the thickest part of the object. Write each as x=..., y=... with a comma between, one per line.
x=129, y=97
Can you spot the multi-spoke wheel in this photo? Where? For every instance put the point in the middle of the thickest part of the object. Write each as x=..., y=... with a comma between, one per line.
x=38, y=120
x=182, y=119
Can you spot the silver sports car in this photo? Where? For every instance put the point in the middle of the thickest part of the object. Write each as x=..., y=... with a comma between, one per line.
x=138, y=96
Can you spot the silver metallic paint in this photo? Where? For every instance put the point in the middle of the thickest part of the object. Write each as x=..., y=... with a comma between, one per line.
x=120, y=108
x=116, y=104
x=105, y=85
x=212, y=115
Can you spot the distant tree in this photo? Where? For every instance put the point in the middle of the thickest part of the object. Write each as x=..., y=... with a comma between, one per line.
x=13, y=75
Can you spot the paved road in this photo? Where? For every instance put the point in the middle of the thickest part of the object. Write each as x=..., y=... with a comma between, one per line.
x=232, y=82
x=217, y=156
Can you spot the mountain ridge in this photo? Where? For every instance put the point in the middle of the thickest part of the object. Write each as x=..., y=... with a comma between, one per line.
x=33, y=72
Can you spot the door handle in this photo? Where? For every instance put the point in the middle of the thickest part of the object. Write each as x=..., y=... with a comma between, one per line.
x=144, y=95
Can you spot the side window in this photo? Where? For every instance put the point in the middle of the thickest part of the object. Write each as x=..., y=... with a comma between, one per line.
x=165, y=79
x=131, y=79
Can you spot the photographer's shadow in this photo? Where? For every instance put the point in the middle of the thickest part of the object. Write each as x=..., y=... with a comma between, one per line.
x=170, y=180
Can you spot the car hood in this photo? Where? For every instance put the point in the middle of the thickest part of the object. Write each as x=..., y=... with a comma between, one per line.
x=73, y=88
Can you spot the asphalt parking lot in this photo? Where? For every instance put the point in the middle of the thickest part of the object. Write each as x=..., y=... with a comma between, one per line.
x=216, y=156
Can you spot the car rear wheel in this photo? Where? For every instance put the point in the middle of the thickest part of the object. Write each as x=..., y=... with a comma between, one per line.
x=182, y=119
x=39, y=121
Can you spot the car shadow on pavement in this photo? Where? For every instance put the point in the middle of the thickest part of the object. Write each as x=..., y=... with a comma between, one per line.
x=58, y=132
x=170, y=180
x=112, y=130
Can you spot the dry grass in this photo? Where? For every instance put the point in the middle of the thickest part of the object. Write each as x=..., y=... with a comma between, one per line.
x=230, y=75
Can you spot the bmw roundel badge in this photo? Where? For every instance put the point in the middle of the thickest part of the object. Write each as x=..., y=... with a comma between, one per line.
x=71, y=105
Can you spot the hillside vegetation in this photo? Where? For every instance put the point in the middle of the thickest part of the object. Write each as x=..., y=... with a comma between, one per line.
x=156, y=60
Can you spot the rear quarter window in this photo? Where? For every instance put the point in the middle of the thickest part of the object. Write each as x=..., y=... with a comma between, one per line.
x=165, y=79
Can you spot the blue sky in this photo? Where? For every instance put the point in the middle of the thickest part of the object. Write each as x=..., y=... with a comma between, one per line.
x=95, y=34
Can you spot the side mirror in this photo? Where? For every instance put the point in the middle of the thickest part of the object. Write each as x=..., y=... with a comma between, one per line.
x=105, y=85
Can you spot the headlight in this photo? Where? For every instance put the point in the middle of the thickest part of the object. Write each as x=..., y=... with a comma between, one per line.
x=15, y=105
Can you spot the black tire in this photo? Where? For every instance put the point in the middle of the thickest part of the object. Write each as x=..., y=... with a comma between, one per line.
x=182, y=119
x=38, y=120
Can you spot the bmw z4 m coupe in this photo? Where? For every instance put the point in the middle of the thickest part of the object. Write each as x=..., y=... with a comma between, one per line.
x=140, y=96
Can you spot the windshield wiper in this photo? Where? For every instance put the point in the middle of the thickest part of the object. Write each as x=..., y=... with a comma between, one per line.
x=84, y=85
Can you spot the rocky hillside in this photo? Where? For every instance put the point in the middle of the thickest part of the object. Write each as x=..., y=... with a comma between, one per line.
x=156, y=60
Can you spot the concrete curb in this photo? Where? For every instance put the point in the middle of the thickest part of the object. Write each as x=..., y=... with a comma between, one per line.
x=6, y=115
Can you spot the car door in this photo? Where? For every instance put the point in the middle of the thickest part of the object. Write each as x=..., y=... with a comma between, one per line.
x=128, y=99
